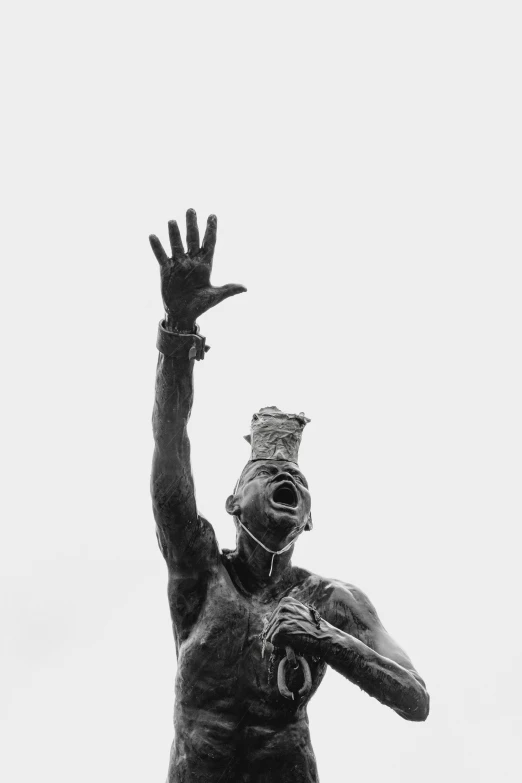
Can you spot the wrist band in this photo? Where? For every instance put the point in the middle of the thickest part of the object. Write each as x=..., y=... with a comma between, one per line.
x=181, y=345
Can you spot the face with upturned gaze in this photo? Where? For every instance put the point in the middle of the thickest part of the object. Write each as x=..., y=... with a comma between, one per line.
x=273, y=501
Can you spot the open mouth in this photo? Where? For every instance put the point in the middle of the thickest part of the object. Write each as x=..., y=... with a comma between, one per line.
x=285, y=495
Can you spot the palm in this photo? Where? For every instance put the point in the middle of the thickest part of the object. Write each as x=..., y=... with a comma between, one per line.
x=185, y=277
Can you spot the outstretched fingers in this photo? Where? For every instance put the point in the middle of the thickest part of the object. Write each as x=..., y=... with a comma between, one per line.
x=209, y=240
x=157, y=249
x=176, y=244
x=192, y=233
x=224, y=291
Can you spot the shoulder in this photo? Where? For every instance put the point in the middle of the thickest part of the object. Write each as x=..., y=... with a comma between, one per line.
x=341, y=603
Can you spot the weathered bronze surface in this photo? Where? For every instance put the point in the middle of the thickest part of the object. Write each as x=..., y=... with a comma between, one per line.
x=253, y=632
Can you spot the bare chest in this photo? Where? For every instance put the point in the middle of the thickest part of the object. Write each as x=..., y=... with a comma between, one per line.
x=222, y=664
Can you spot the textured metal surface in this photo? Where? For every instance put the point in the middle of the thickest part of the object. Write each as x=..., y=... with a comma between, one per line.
x=234, y=721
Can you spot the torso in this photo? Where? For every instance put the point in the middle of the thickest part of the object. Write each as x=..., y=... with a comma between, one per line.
x=232, y=723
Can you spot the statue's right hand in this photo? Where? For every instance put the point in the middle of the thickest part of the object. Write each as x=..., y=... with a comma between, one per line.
x=185, y=278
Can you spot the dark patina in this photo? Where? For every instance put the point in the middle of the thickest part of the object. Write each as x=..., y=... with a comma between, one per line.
x=253, y=632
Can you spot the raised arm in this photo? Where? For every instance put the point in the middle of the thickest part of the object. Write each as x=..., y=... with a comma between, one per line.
x=186, y=540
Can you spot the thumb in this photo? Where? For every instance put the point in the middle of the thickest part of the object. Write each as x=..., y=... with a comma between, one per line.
x=224, y=291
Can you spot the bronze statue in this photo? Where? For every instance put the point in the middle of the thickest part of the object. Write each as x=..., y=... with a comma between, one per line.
x=253, y=632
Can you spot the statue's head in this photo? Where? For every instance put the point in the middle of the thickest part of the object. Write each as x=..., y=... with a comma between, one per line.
x=271, y=498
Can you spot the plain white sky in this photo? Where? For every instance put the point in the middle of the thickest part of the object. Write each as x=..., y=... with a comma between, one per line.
x=364, y=161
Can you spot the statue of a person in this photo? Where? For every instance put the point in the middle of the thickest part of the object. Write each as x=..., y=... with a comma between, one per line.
x=253, y=632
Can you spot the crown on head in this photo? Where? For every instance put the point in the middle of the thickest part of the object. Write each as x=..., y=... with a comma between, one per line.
x=276, y=435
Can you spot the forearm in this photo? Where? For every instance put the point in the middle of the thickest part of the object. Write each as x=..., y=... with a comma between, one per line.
x=172, y=485
x=172, y=405
x=174, y=389
x=381, y=677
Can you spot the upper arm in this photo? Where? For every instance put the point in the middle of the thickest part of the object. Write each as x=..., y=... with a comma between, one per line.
x=356, y=615
x=186, y=539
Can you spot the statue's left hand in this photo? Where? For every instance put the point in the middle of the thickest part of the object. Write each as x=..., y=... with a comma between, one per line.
x=293, y=624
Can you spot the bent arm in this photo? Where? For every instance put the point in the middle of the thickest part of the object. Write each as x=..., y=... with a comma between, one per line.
x=397, y=685
x=359, y=647
x=186, y=540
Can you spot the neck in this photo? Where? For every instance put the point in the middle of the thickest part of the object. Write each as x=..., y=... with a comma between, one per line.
x=256, y=567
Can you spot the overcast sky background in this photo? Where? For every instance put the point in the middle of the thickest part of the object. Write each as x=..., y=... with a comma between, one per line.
x=364, y=161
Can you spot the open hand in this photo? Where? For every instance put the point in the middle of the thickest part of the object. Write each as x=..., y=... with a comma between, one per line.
x=185, y=278
x=293, y=624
